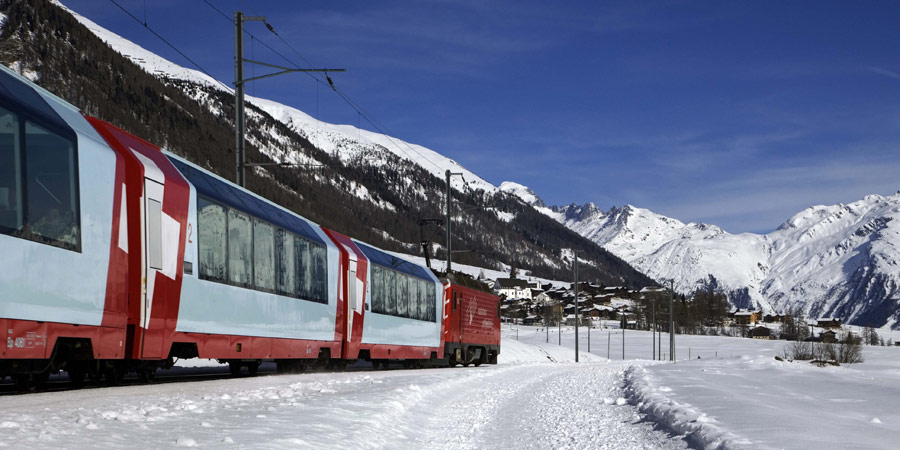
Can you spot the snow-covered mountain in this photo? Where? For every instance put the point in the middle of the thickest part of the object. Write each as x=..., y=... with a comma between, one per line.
x=345, y=141
x=839, y=260
x=375, y=187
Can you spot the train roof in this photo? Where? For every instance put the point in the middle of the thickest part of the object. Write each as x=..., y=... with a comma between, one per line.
x=388, y=260
x=43, y=107
x=222, y=191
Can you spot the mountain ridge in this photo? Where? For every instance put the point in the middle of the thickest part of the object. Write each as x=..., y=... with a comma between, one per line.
x=374, y=187
x=827, y=260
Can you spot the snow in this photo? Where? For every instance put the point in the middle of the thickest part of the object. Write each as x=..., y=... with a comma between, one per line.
x=535, y=398
x=523, y=192
x=738, y=396
x=735, y=396
x=772, y=403
x=346, y=141
x=827, y=260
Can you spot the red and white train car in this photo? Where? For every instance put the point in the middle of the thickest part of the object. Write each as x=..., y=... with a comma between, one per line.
x=118, y=257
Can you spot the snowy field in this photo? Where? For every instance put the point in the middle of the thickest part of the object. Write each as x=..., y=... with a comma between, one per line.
x=535, y=398
x=736, y=395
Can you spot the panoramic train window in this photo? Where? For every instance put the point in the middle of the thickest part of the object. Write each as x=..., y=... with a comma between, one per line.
x=398, y=294
x=38, y=184
x=285, y=274
x=378, y=289
x=240, y=248
x=390, y=292
x=263, y=256
x=52, y=209
x=10, y=174
x=320, y=273
x=213, y=242
x=304, y=269
x=402, y=296
x=413, y=298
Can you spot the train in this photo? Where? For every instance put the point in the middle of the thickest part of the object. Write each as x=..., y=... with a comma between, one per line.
x=119, y=257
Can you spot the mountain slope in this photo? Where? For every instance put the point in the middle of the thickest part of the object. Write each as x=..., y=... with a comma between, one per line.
x=839, y=260
x=370, y=186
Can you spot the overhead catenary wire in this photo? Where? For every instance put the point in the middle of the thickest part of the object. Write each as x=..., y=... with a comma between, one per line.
x=346, y=98
x=354, y=105
x=164, y=40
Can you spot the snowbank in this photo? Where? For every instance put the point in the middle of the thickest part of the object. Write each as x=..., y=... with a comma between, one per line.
x=680, y=418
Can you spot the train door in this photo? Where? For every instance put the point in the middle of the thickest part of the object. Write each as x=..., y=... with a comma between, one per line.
x=151, y=344
x=351, y=294
x=356, y=289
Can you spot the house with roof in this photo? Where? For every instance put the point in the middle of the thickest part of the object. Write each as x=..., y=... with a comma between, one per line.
x=828, y=322
x=513, y=288
x=745, y=316
x=761, y=332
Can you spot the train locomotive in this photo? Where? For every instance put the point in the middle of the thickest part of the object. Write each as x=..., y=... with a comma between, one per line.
x=119, y=257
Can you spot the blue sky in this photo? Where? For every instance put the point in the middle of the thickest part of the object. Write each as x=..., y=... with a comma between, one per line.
x=739, y=114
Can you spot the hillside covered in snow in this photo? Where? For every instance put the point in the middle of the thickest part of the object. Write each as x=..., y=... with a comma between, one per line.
x=838, y=260
x=374, y=187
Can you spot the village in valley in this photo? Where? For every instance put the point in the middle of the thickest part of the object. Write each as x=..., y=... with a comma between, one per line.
x=532, y=302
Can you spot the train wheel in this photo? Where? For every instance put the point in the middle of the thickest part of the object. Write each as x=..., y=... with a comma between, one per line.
x=114, y=374
x=77, y=375
x=235, y=368
x=253, y=368
x=30, y=382
x=147, y=375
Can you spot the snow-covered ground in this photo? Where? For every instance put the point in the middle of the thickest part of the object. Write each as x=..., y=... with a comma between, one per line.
x=729, y=393
x=735, y=395
x=535, y=398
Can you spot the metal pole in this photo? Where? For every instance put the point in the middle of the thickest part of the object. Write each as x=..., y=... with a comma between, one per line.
x=589, y=336
x=608, y=340
x=672, y=321
x=239, y=96
x=547, y=326
x=653, y=333
x=623, y=340
x=658, y=344
x=575, y=266
x=449, y=249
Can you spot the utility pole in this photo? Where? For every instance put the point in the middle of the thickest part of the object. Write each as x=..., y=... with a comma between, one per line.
x=575, y=267
x=239, y=81
x=672, y=320
x=449, y=221
x=653, y=333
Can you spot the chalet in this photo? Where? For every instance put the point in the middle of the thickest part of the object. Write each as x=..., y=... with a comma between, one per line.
x=773, y=318
x=553, y=312
x=532, y=319
x=513, y=288
x=761, y=333
x=828, y=322
x=618, y=290
x=828, y=336
x=539, y=296
x=745, y=317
